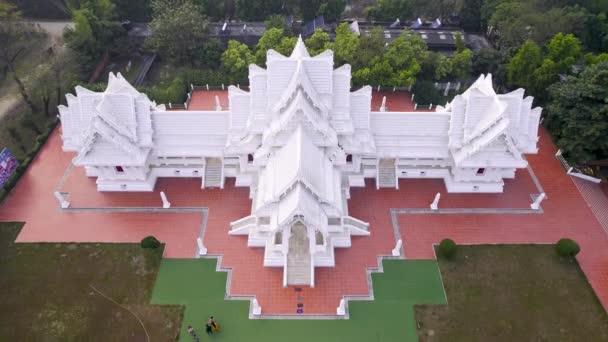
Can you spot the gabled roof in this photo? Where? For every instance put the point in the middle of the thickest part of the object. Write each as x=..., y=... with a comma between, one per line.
x=299, y=161
x=133, y=155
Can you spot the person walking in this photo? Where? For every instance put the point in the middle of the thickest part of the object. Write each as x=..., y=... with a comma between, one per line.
x=193, y=333
x=213, y=324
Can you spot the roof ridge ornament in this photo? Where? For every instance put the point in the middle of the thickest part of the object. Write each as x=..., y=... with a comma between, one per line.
x=300, y=51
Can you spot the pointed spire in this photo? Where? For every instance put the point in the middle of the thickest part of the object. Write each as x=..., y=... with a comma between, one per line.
x=299, y=51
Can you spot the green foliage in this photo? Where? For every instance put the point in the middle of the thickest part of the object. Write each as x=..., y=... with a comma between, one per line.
x=345, y=46
x=318, y=42
x=486, y=61
x=459, y=43
x=168, y=92
x=271, y=39
x=210, y=53
x=389, y=10
x=236, y=59
x=426, y=93
x=516, y=21
x=213, y=8
x=470, y=15
x=522, y=66
x=95, y=30
x=370, y=46
x=276, y=21
x=567, y=248
x=257, y=10
x=595, y=59
x=150, y=242
x=178, y=31
x=447, y=248
x=134, y=10
x=462, y=63
x=595, y=32
x=331, y=10
x=577, y=114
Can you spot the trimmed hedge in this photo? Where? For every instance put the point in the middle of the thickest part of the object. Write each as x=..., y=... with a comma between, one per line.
x=150, y=242
x=447, y=248
x=25, y=163
x=567, y=248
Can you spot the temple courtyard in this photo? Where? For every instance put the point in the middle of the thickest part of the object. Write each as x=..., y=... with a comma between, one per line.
x=380, y=293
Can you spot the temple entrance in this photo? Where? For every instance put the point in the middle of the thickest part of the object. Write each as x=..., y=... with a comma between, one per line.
x=298, y=257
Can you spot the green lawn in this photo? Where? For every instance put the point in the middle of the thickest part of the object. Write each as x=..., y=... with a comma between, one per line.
x=195, y=284
x=513, y=293
x=45, y=292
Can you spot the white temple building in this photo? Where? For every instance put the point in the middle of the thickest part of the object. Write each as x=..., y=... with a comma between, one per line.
x=299, y=139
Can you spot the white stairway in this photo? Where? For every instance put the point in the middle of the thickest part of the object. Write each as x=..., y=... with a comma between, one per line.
x=298, y=266
x=386, y=174
x=213, y=173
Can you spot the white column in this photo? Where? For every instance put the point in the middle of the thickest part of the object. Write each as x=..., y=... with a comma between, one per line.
x=218, y=106
x=341, y=309
x=447, y=89
x=383, y=105
x=397, y=250
x=202, y=250
x=434, y=205
x=166, y=203
x=536, y=204
x=62, y=199
x=257, y=309
x=412, y=97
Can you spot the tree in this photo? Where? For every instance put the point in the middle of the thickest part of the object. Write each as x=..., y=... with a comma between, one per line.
x=50, y=80
x=522, y=66
x=577, y=114
x=459, y=42
x=213, y=9
x=210, y=53
x=331, y=10
x=135, y=10
x=595, y=32
x=17, y=38
x=318, y=42
x=345, y=46
x=436, y=66
x=178, y=30
x=257, y=10
x=95, y=31
x=271, y=39
x=370, y=46
x=389, y=10
x=405, y=54
x=462, y=63
x=236, y=59
x=276, y=21
x=470, y=15
x=564, y=50
x=486, y=61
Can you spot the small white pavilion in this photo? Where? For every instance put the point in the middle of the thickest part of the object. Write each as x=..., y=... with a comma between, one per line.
x=299, y=139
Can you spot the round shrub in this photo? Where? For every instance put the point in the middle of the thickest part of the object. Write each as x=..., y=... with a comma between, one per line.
x=447, y=248
x=150, y=242
x=567, y=248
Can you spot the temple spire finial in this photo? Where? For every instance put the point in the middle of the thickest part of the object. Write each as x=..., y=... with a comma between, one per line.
x=299, y=50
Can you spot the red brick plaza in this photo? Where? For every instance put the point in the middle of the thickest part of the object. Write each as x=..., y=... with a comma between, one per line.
x=121, y=217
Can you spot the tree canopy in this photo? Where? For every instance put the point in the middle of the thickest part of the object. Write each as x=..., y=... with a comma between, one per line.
x=178, y=30
x=577, y=114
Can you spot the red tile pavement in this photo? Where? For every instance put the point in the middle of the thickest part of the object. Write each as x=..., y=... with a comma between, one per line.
x=398, y=101
x=205, y=99
x=565, y=214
